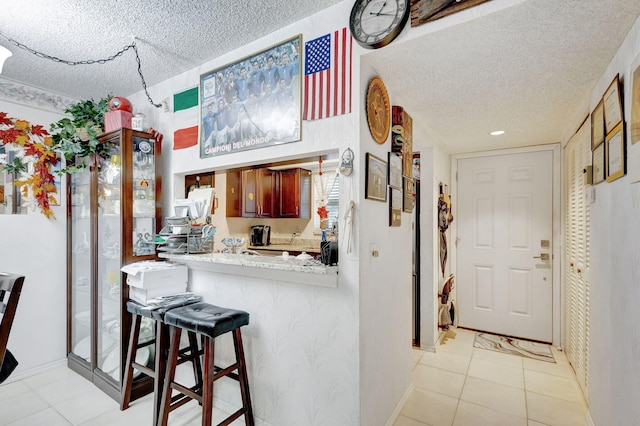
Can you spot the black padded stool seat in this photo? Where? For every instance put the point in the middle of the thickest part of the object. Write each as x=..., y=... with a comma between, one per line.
x=189, y=353
x=209, y=321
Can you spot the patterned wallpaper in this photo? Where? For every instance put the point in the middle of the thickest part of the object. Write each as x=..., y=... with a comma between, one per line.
x=301, y=346
x=33, y=97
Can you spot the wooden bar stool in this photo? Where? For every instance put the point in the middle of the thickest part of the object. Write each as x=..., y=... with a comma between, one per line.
x=189, y=353
x=209, y=321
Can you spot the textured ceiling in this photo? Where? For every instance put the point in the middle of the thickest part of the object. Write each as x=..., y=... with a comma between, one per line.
x=172, y=36
x=527, y=68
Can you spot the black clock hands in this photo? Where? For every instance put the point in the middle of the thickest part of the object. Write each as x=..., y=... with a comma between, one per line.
x=380, y=11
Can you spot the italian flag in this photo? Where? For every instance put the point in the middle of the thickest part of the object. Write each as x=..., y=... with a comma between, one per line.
x=185, y=118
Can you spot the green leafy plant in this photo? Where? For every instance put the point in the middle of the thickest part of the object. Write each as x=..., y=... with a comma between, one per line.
x=76, y=138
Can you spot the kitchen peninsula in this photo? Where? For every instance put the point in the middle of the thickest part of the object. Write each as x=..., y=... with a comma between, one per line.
x=301, y=338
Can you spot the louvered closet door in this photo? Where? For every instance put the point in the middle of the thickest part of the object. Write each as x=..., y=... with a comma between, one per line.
x=577, y=252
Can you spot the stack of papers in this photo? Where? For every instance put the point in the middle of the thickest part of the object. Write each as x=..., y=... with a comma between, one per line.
x=149, y=280
x=195, y=208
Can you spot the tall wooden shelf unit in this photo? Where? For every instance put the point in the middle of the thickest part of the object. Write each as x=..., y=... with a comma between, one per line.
x=114, y=208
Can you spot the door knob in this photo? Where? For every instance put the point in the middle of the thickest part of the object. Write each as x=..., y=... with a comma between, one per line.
x=543, y=256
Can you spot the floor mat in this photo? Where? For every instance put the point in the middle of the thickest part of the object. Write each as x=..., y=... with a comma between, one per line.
x=509, y=345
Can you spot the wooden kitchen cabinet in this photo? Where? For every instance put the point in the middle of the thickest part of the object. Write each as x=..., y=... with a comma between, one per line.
x=258, y=193
x=234, y=194
x=269, y=193
x=294, y=193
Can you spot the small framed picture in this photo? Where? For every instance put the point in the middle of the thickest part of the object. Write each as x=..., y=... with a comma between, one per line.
x=612, y=105
x=395, y=207
x=597, y=125
x=395, y=170
x=407, y=199
x=375, y=187
x=615, y=153
x=598, y=164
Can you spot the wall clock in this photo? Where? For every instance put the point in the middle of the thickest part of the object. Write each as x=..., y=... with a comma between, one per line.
x=378, y=110
x=375, y=23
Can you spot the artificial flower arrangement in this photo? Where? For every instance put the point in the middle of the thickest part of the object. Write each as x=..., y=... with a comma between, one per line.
x=75, y=139
x=31, y=144
x=323, y=212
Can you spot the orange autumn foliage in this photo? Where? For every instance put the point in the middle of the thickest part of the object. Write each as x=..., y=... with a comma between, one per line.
x=37, y=143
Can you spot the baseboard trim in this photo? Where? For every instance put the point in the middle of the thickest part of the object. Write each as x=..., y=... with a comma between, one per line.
x=398, y=409
x=33, y=371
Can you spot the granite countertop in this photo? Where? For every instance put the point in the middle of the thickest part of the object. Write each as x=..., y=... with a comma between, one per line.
x=290, y=263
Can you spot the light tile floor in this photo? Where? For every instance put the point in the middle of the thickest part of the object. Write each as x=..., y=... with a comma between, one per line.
x=60, y=397
x=459, y=385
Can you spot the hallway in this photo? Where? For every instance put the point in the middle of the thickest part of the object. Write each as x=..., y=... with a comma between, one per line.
x=465, y=386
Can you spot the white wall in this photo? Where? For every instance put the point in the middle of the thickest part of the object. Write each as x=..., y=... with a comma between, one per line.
x=385, y=292
x=615, y=272
x=34, y=246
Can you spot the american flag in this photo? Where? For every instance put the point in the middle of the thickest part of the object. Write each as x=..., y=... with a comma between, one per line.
x=327, y=75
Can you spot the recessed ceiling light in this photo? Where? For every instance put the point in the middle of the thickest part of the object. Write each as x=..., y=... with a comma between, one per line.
x=497, y=133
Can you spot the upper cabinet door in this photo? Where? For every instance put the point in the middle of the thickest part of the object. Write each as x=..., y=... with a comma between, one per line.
x=266, y=185
x=249, y=193
x=257, y=193
x=295, y=193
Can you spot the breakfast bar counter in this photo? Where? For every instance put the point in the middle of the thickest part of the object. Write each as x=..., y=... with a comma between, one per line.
x=301, y=338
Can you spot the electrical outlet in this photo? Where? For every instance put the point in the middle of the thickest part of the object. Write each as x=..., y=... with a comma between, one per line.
x=166, y=105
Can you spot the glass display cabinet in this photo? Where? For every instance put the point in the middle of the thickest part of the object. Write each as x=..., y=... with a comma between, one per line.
x=113, y=211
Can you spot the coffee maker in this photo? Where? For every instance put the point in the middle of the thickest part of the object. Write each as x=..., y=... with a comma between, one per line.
x=260, y=235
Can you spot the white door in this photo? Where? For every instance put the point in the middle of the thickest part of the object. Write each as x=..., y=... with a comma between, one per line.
x=504, y=282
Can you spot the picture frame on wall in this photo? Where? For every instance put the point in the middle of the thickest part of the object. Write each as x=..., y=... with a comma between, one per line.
x=597, y=125
x=635, y=105
x=407, y=192
x=612, y=105
x=375, y=187
x=395, y=170
x=598, y=164
x=423, y=11
x=395, y=207
x=253, y=102
x=402, y=137
x=615, y=153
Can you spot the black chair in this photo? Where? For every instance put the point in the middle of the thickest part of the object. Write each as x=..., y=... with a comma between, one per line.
x=190, y=353
x=12, y=284
x=209, y=321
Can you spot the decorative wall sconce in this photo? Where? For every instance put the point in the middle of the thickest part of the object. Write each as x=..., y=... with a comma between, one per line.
x=346, y=163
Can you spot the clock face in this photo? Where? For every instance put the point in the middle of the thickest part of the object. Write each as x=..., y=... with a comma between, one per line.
x=375, y=23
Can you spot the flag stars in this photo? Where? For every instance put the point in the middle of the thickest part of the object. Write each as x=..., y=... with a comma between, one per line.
x=318, y=53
